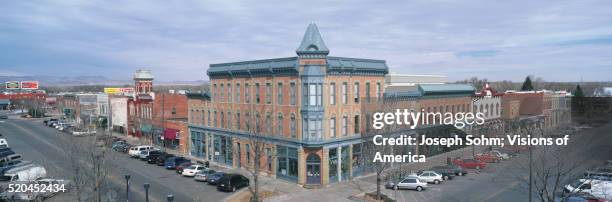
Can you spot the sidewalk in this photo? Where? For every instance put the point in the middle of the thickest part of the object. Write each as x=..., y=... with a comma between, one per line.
x=343, y=191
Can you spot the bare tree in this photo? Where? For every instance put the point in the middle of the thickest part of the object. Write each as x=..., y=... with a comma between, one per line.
x=370, y=150
x=547, y=168
x=90, y=166
x=257, y=130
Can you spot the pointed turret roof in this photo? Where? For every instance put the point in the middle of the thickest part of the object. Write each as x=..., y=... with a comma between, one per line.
x=312, y=41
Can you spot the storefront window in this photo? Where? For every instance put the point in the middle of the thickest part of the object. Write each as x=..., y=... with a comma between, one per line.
x=287, y=163
x=333, y=165
x=344, y=167
x=194, y=144
x=357, y=163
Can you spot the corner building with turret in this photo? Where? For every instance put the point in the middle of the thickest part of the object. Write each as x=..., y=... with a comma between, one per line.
x=306, y=108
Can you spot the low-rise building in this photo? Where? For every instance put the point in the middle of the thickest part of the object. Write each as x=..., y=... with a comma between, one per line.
x=489, y=102
x=557, y=108
x=119, y=114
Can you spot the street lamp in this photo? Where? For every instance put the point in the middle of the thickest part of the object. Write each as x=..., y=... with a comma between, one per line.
x=127, y=187
x=146, y=187
x=170, y=197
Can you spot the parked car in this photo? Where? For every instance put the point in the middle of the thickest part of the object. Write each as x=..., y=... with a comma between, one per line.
x=160, y=160
x=580, y=197
x=10, y=159
x=409, y=183
x=597, y=188
x=28, y=172
x=83, y=132
x=6, y=151
x=144, y=154
x=446, y=172
x=179, y=169
x=3, y=143
x=153, y=155
x=214, y=178
x=118, y=145
x=429, y=176
x=173, y=162
x=500, y=154
x=487, y=157
x=470, y=163
x=232, y=182
x=3, y=116
x=203, y=174
x=135, y=151
x=192, y=170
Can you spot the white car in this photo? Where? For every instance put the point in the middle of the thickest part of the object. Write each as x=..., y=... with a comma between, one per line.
x=503, y=155
x=192, y=170
x=429, y=176
x=135, y=151
x=597, y=188
x=411, y=183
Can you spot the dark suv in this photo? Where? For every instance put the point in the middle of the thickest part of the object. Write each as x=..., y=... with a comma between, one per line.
x=152, y=157
x=232, y=182
x=172, y=162
x=161, y=159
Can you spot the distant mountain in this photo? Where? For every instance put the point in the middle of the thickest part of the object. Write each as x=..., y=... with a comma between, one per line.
x=66, y=80
x=86, y=80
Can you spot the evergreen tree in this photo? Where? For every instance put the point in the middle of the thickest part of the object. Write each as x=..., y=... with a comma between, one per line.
x=527, y=86
x=578, y=92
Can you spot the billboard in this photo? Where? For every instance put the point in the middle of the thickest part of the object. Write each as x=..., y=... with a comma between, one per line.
x=29, y=85
x=114, y=91
x=12, y=85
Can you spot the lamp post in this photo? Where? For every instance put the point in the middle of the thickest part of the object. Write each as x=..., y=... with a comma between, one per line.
x=146, y=187
x=170, y=197
x=127, y=187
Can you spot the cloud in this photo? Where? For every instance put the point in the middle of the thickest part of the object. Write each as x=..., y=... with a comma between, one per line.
x=477, y=53
x=564, y=40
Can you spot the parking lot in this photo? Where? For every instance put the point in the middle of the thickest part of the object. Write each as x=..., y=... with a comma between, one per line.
x=46, y=146
x=507, y=180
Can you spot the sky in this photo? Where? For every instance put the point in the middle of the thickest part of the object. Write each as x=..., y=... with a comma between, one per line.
x=177, y=40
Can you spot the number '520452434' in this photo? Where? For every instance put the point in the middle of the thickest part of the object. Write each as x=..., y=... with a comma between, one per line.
x=31, y=188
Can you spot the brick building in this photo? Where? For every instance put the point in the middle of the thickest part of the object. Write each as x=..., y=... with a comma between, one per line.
x=140, y=106
x=307, y=108
x=170, y=121
x=435, y=98
x=489, y=102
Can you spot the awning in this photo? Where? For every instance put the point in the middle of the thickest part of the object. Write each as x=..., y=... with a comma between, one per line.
x=170, y=134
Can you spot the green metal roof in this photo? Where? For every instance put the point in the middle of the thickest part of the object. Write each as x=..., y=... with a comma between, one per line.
x=445, y=89
x=312, y=41
x=335, y=63
x=290, y=64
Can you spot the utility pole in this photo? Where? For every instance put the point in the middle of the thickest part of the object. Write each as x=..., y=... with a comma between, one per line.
x=163, y=123
x=530, y=172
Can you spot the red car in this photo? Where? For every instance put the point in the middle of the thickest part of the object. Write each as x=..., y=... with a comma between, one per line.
x=470, y=163
x=179, y=168
x=488, y=157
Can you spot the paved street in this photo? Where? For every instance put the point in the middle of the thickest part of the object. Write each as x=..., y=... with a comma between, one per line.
x=45, y=145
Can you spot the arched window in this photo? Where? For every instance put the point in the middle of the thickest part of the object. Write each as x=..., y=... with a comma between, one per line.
x=293, y=126
x=279, y=123
x=497, y=109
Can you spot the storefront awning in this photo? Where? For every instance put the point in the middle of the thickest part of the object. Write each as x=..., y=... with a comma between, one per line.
x=170, y=134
